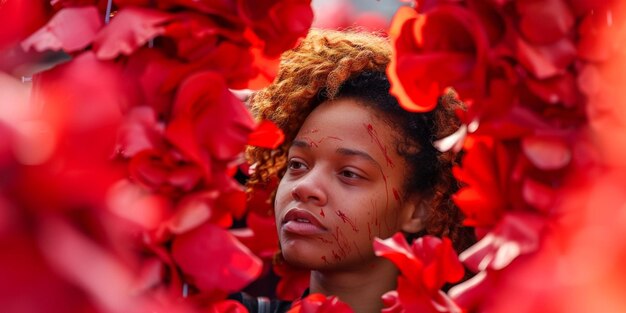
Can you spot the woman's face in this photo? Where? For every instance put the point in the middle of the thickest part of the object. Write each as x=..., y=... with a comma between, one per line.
x=342, y=188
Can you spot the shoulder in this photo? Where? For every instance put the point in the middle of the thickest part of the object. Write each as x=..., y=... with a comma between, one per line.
x=261, y=304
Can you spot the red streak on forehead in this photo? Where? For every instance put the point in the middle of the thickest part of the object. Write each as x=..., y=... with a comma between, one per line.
x=374, y=136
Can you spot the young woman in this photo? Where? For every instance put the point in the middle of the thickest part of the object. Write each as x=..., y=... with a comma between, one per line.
x=354, y=165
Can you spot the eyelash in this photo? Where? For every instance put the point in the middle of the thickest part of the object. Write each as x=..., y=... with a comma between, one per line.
x=292, y=162
x=296, y=166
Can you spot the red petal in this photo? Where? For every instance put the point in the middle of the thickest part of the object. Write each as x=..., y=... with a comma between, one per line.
x=136, y=204
x=516, y=234
x=266, y=135
x=209, y=120
x=398, y=251
x=213, y=260
x=139, y=131
x=441, y=264
x=544, y=22
x=546, y=60
x=547, y=153
x=130, y=29
x=71, y=29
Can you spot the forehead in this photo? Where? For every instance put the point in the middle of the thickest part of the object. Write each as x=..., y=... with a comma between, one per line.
x=351, y=124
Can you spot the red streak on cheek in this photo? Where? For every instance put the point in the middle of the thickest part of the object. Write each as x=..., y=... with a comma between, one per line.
x=324, y=240
x=322, y=212
x=396, y=194
x=325, y=260
x=336, y=256
x=345, y=219
x=369, y=231
x=386, y=200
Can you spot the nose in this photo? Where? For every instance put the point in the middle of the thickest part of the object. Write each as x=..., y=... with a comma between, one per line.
x=310, y=188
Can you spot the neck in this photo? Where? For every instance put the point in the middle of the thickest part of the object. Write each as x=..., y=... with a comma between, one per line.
x=360, y=288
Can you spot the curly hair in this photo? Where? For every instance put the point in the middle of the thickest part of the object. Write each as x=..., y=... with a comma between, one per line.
x=351, y=64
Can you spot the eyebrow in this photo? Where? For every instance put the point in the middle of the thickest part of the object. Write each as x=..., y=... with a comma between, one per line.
x=343, y=151
x=358, y=153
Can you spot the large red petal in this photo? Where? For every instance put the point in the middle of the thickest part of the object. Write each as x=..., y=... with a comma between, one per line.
x=398, y=251
x=70, y=30
x=130, y=29
x=516, y=234
x=266, y=135
x=213, y=260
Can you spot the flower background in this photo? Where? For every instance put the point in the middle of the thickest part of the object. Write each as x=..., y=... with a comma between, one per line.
x=121, y=141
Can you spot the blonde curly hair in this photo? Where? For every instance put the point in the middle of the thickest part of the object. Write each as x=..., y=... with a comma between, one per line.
x=319, y=69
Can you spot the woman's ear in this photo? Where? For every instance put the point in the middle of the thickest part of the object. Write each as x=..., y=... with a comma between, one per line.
x=416, y=214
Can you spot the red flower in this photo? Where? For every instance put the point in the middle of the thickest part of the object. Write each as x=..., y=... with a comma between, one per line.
x=266, y=135
x=318, y=303
x=485, y=173
x=260, y=236
x=516, y=234
x=277, y=23
x=214, y=261
x=444, y=47
x=209, y=122
x=425, y=267
x=130, y=29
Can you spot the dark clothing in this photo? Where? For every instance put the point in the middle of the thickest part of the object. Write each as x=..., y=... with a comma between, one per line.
x=261, y=304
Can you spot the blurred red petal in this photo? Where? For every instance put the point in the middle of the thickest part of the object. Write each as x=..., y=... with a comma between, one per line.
x=517, y=233
x=130, y=29
x=543, y=22
x=261, y=238
x=208, y=120
x=193, y=211
x=280, y=24
x=540, y=196
x=226, y=306
x=213, y=260
x=544, y=61
x=318, y=303
x=266, y=135
x=71, y=29
x=139, y=131
x=88, y=265
x=293, y=281
x=136, y=204
x=547, y=153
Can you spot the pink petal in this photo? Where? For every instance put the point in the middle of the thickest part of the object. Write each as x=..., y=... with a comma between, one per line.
x=516, y=234
x=130, y=29
x=547, y=153
x=136, y=204
x=71, y=29
x=544, y=61
x=540, y=196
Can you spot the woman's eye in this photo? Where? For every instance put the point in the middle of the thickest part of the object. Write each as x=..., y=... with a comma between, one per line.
x=349, y=174
x=296, y=165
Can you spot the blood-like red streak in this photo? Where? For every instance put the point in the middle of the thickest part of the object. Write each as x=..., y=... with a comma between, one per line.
x=396, y=194
x=372, y=132
x=347, y=220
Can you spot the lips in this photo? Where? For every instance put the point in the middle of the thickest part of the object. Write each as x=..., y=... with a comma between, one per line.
x=302, y=222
